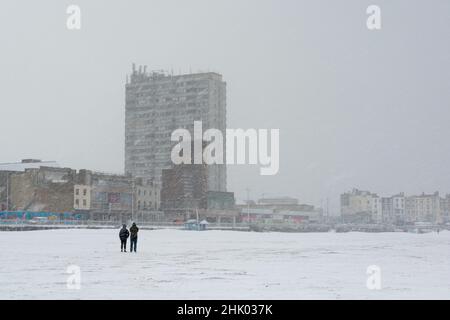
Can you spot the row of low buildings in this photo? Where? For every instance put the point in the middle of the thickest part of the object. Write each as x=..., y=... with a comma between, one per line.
x=36, y=186
x=364, y=206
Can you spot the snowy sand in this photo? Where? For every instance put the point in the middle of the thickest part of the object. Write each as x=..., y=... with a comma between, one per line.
x=176, y=264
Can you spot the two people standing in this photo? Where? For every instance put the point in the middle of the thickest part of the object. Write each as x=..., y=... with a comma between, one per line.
x=124, y=234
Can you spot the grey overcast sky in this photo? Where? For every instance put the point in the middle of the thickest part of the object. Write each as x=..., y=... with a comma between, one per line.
x=355, y=108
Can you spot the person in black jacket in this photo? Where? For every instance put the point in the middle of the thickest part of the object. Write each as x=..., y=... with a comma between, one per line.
x=123, y=235
x=133, y=238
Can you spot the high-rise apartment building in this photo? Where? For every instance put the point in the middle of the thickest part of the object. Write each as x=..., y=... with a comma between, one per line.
x=157, y=104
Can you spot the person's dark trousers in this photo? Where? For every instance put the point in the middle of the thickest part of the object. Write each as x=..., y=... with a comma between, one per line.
x=133, y=244
x=123, y=245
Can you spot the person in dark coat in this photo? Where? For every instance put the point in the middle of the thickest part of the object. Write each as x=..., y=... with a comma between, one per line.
x=123, y=235
x=133, y=237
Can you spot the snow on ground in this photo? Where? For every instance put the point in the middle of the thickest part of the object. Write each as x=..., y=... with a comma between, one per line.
x=177, y=264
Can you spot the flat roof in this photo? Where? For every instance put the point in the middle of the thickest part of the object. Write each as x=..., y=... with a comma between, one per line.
x=21, y=166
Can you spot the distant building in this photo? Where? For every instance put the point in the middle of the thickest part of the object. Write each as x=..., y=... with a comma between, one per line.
x=43, y=189
x=218, y=200
x=424, y=208
x=107, y=196
x=387, y=210
x=148, y=196
x=96, y=195
x=7, y=169
x=393, y=209
x=268, y=215
x=111, y=195
x=445, y=208
x=82, y=197
x=147, y=200
x=280, y=209
x=27, y=164
x=184, y=189
x=282, y=203
x=5, y=187
x=278, y=201
x=399, y=209
x=156, y=105
x=184, y=195
x=220, y=207
x=361, y=206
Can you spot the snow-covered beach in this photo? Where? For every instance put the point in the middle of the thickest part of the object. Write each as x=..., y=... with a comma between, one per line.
x=176, y=264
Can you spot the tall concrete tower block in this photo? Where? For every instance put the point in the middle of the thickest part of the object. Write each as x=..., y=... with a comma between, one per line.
x=158, y=103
